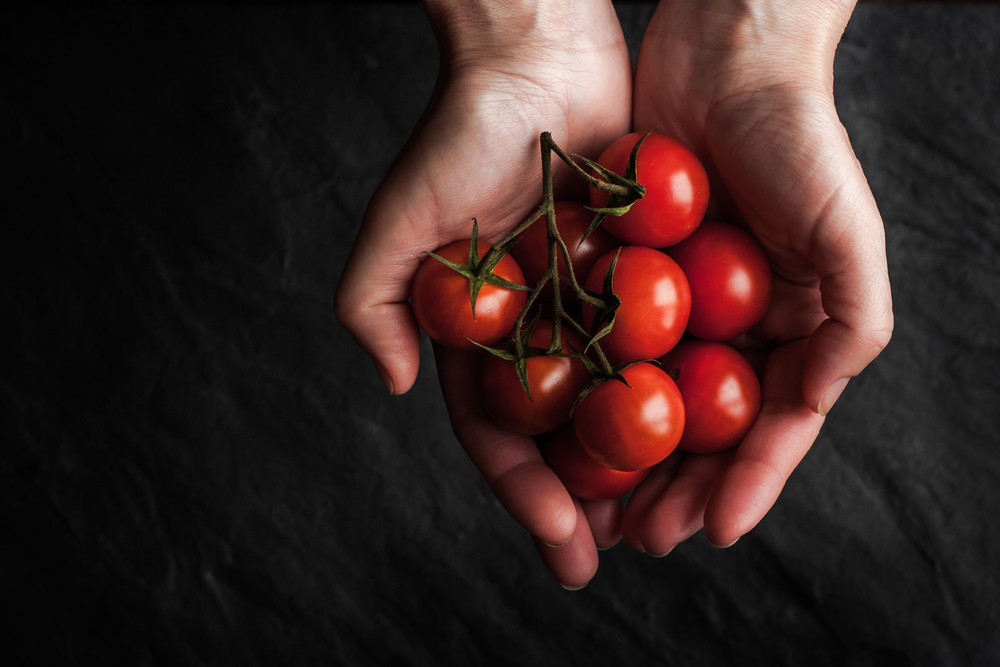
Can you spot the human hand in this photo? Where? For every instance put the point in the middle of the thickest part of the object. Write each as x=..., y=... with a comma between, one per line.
x=509, y=71
x=748, y=86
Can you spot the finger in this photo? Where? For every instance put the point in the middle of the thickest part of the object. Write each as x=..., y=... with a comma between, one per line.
x=387, y=332
x=371, y=300
x=757, y=357
x=605, y=519
x=574, y=564
x=678, y=513
x=510, y=463
x=644, y=495
x=763, y=462
x=795, y=312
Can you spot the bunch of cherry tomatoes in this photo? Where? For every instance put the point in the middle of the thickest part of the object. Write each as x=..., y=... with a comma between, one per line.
x=610, y=318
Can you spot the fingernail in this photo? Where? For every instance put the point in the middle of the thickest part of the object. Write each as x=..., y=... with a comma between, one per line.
x=724, y=546
x=830, y=396
x=561, y=544
x=383, y=373
x=664, y=553
x=572, y=588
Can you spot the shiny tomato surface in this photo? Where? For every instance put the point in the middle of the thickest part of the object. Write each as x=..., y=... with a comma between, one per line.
x=555, y=382
x=581, y=475
x=730, y=280
x=631, y=427
x=443, y=308
x=655, y=303
x=721, y=394
x=676, y=190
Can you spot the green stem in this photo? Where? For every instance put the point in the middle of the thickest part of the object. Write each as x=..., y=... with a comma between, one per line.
x=556, y=245
x=520, y=228
x=596, y=182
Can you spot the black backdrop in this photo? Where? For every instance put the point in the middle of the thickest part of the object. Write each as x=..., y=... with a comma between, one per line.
x=200, y=467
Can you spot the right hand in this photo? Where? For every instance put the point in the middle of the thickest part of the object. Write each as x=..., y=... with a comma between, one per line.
x=509, y=71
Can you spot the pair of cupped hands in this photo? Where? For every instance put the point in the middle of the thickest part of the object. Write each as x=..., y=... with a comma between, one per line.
x=748, y=86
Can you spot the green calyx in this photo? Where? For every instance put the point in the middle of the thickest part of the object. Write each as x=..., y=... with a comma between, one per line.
x=519, y=351
x=479, y=270
x=629, y=189
x=604, y=319
x=600, y=376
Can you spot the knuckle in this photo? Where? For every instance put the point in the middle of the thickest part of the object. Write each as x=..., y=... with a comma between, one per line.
x=878, y=338
x=882, y=333
x=344, y=308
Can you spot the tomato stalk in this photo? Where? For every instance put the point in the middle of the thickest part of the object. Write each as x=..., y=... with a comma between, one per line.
x=479, y=270
x=625, y=191
x=519, y=350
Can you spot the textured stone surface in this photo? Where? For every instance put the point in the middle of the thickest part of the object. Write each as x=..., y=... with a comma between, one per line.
x=200, y=467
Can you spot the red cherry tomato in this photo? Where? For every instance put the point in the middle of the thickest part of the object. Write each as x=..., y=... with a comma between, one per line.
x=581, y=475
x=721, y=394
x=730, y=280
x=532, y=249
x=441, y=304
x=635, y=428
x=676, y=190
x=655, y=303
x=555, y=383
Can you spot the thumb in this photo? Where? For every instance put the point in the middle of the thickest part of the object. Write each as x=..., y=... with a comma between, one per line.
x=849, y=254
x=428, y=198
x=371, y=300
x=371, y=303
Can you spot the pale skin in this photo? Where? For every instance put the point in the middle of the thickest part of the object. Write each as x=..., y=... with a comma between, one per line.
x=747, y=86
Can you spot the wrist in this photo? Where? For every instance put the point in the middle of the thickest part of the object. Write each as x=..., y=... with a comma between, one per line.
x=797, y=31
x=484, y=31
x=721, y=49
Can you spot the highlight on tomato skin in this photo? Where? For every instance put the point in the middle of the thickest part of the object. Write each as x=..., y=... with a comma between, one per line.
x=632, y=427
x=721, y=394
x=581, y=475
x=730, y=280
x=655, y=303
x=555, y=382
x=442, y=306
x=677, y=190
x=532, y=250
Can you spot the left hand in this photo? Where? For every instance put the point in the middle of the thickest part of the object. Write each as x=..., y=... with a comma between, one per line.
x=748, y=86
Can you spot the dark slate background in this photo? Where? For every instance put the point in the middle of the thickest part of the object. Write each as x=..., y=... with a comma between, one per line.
x=199, y=466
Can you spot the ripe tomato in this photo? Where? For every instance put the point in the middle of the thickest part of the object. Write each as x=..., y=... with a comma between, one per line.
x=655, y=303
x=581, y=475
x=730, y=280
x=676, y=190
x=634, y=427
x=555, y=383
x=721, y=394
x=440, y=299
x=532, y=249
